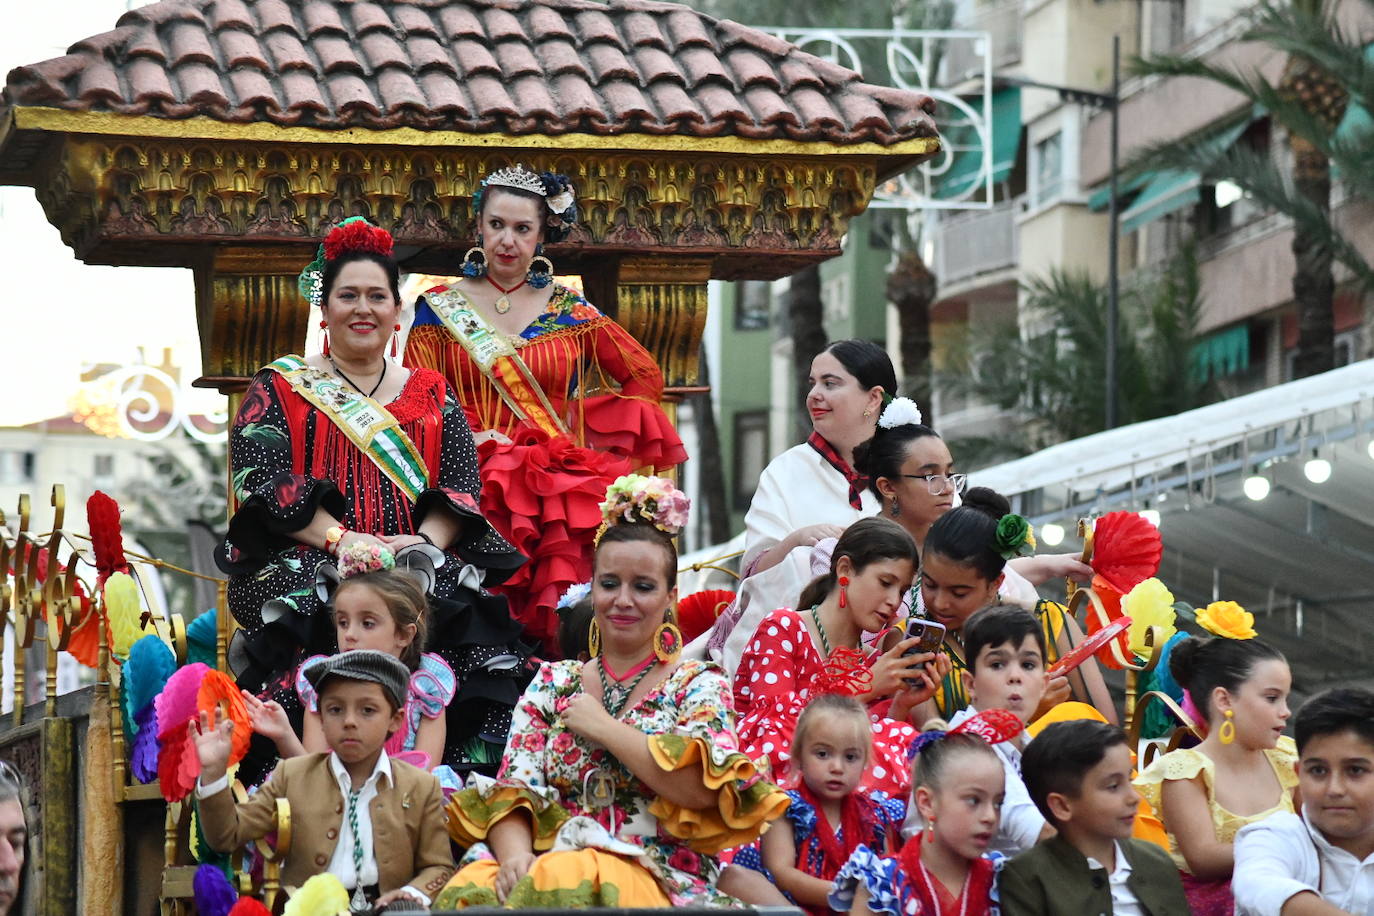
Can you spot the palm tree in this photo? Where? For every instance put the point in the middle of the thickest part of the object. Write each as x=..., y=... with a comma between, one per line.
x=1326, y=71
x=1053, y=380
x=911, y=287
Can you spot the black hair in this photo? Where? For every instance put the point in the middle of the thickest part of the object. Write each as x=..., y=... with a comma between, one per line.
x=574, y=628
x=1061, y=755
x=968, y=535
x=885, y=453
x=997, y=625
x=1202, y=665
x=867, y=362
x=628, y=532
x=332, y=268
x=1340, y=709
x=865, y=541
x=933, y=760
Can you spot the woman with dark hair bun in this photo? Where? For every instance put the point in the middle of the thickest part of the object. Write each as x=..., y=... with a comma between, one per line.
x=809, y=492
x=967, y=557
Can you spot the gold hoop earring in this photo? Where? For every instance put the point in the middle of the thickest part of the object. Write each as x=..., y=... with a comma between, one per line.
x=593, y=640
x=474, y=262
x=667, y=642
x=1227, y=733
x=543, y=275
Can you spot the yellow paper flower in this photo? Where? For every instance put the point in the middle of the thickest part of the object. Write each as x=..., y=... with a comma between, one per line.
x=124, y=610
x=1149, y=604
x=322, y=895
x=1030, y=537
x=1228, y=619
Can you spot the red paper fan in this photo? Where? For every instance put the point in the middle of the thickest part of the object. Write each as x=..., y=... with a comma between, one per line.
x=218, y=696
x=992, y=725
x=697, y=612
x=1111, y=603
x=1126, y=549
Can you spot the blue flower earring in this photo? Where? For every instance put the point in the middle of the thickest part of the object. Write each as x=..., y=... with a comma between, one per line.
x=540, y=273
x=475, y=260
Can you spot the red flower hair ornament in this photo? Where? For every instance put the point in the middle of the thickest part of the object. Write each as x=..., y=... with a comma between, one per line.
x=353, y=234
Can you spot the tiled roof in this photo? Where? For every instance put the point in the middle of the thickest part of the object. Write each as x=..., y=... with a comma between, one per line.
x=513, y=66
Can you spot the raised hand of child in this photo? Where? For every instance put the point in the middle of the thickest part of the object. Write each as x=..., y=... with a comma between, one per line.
x=270, y=720
x=213, y=742
x=1057, y=690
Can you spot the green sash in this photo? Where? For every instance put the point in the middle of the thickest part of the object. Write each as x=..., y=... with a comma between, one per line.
x=498, y=359
x=368, y=425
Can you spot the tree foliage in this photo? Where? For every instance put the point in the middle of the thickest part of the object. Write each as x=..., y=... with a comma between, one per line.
x=1054, y=378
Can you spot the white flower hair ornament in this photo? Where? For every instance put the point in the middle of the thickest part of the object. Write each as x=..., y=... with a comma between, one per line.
x=900, y=412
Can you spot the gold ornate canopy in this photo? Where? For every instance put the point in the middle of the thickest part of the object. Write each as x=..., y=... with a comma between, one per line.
x=228, y=135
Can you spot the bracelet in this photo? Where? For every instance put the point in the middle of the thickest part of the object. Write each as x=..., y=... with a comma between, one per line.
x=424, y=537
x=332, y=537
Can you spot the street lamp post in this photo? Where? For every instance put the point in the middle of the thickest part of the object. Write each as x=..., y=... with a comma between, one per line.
x=1111, y=103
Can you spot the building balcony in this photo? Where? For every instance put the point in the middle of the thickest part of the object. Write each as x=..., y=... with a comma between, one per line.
x=975, y=247
x=1002, y=21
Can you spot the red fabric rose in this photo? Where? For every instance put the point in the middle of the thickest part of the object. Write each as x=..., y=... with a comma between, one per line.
x=254, y=406
x=289, y=490
x=357, y=236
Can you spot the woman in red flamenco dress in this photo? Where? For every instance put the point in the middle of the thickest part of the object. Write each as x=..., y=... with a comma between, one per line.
x=561, y=399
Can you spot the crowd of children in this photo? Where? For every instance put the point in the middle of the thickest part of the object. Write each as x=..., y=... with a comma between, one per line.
x=1004, y=803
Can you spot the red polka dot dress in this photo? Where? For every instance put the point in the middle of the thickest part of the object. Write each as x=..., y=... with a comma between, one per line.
x=779, y=673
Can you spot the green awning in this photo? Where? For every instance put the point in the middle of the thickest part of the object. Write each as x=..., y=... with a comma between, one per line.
x=1222, y=353
x=1166, y=192
x=1148, y=196
x=1357, y=125
x=965, y=173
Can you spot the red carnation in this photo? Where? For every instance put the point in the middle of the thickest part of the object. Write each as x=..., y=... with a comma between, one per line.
x=357, y=236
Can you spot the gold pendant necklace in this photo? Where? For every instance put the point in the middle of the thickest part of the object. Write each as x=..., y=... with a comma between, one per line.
x=503, y=303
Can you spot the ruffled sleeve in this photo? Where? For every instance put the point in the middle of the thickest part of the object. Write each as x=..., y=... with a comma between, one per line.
x=705, y=735
x=275, y=499
x=875, y=874
x=521, y=783
x=768, y=694
x=432, y=686
x=309, y=699
x=803, y=817
x=629, y=422
x=1185, y=763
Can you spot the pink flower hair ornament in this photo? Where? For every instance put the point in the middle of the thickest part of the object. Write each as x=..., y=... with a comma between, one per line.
x=635, y=498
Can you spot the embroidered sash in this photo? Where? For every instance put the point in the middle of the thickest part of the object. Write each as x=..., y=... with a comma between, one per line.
x=498, y=359
x=368, y=425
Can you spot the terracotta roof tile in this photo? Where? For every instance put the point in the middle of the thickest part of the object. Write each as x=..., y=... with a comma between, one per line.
x=241, y=49
x=518, y=66
x=229, y=14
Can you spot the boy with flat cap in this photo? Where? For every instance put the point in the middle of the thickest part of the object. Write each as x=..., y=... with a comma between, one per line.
x=375, y=823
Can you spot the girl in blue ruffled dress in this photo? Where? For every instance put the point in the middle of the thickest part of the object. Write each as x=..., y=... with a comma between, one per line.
x=957, y=785
x=829, y=815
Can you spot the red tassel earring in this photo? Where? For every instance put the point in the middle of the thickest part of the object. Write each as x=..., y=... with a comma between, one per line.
x=324, y=326
x=844, y=598
x=395, y=345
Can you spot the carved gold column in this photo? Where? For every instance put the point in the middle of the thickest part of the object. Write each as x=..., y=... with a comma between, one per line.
x=662, y=302
x=249, y=311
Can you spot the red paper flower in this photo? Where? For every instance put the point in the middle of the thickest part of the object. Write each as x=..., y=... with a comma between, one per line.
x=1111, y=603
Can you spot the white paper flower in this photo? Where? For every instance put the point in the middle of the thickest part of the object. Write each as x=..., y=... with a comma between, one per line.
x=900, y=412
x=561, y=201
x=574, y=594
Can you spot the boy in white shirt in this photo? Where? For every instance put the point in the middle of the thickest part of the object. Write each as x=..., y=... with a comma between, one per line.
x=1322, y=862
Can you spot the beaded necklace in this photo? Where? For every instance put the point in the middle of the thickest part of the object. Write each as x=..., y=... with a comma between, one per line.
x=614, y=694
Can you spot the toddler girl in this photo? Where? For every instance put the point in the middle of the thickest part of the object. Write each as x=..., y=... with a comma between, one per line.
x=1244, y=770
x=957, y=785
x=830, y=816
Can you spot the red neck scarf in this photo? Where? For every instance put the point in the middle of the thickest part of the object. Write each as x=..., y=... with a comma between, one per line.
x=857, y=482
x=856, y=827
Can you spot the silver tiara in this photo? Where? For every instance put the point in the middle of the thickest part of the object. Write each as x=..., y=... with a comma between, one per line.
x=516, y=176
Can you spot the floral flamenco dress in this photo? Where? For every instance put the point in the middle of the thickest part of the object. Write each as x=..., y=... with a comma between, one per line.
x=822, y=849
x=290, y=456
x=604, y=838
x=1209, y=897
x=779, y=673
x=579, y=398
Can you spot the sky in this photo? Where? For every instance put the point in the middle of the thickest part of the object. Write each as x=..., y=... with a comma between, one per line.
x=60, y=315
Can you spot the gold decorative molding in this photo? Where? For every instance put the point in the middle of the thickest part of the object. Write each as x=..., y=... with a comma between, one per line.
x=662, y=302
x=249, y=309
x=58, y=120
x=160, y=200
